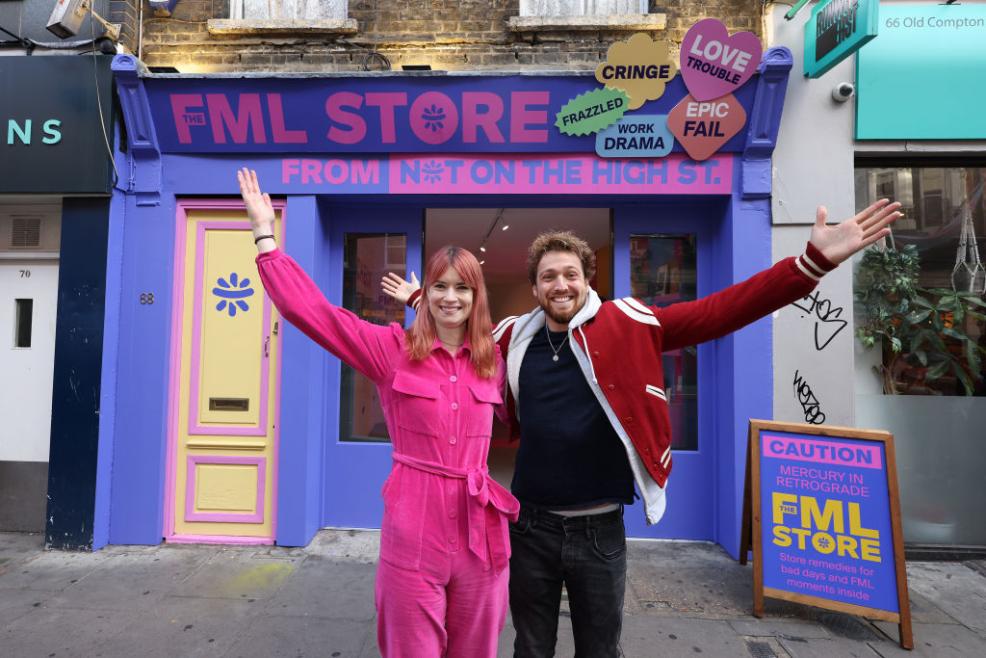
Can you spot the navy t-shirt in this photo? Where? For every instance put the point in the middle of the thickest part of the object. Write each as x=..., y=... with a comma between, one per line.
x=569, y=455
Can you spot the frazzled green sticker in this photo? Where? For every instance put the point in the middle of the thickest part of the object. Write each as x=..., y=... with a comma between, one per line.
x=592, y=111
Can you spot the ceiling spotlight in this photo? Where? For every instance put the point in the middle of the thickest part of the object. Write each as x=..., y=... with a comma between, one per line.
x=482, y=262
x=505, y=227
x=482, y=249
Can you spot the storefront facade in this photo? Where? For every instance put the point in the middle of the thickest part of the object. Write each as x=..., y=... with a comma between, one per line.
x=923, y=144
x=55, y=182
x=231, y=426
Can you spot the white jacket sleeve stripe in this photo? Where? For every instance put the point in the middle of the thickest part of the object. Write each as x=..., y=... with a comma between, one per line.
x=636, y=315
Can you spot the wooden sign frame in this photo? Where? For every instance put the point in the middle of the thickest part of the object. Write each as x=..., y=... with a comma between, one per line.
x=751, y=537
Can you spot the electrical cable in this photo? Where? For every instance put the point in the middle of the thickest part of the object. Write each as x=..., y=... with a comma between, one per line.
x=99, y=104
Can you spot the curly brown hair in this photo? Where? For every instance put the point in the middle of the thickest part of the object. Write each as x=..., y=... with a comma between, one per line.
x=560, y=241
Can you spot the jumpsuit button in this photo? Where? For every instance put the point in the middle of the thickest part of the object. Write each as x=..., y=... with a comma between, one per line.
x=629, y=419
x=451, y=513
x=611, y=387
x=455, y=406
x=452, y=440
x=595, y=353
x=453, y=379
x=451, y=540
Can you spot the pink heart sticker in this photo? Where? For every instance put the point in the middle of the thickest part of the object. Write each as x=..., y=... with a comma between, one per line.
x=702, y=127
x=713, y=63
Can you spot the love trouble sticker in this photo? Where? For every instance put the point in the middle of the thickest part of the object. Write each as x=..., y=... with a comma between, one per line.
x=703, y=127
x=592, y=111
x=639, y=66
x=713, y=63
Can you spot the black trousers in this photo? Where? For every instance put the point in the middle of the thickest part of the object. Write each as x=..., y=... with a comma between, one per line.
x=586, y=554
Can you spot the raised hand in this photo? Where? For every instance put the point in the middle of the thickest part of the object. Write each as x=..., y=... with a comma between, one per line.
x=258, y=205
x=837, y=242
x=398, y=288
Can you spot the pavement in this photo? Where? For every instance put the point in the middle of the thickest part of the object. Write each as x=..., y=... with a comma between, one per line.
x=683, y=599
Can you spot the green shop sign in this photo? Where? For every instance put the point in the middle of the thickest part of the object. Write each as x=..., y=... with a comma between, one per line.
x=837, y=29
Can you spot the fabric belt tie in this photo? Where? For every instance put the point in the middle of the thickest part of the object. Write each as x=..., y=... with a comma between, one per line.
x=489, y=500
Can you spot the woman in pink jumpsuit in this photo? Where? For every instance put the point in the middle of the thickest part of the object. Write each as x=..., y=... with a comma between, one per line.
x=441, y=586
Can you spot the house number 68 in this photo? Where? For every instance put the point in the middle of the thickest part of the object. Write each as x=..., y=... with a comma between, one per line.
x=147, y=298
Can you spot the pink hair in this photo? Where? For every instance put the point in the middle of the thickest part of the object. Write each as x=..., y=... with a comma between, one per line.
x=479, y=328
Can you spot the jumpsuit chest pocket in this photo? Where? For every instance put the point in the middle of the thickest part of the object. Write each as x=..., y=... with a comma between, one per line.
x=486, y=395
x=417, y=403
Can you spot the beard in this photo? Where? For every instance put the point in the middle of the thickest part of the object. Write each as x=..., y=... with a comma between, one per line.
x=561, y=317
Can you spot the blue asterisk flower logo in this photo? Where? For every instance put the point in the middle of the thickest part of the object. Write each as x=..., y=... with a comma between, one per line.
x=434, y=117
x=232, y=293
x=432, y=171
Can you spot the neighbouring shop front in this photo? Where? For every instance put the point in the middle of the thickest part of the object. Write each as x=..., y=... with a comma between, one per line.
x=231, y=426
x=56, y=131
x=924, y=144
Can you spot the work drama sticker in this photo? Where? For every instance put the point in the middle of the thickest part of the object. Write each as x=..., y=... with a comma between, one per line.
x=713, y=63
x=592, y=111
x=703, y=127
x=636, y=136
x=639, y=66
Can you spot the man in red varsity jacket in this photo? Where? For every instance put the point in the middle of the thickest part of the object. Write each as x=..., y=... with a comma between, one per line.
x=585, y=392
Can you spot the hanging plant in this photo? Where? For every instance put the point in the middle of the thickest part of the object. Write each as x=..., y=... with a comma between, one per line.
x=922, y=331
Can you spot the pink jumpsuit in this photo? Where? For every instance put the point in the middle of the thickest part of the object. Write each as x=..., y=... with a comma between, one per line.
x=441, y=586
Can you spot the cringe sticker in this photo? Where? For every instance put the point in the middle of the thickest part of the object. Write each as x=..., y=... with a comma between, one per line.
x=713, y=63
x=639, y=66
x=703, y=127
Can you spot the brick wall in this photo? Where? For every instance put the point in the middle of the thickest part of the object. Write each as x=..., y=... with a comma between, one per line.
x=447, y=34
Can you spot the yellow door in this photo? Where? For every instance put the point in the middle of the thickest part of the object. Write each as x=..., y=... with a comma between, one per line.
x=224, y=397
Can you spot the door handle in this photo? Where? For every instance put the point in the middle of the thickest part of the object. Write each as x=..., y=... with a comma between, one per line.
x=266, y=347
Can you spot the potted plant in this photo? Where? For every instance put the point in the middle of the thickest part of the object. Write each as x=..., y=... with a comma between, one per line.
x=923, y=332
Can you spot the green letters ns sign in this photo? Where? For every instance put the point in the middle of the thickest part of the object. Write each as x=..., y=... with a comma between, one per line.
x=837, y=29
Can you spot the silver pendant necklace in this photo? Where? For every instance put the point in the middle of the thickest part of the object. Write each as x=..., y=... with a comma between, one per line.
x=554, y=356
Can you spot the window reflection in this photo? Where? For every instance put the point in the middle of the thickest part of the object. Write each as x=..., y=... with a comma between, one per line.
x=662, y=272
x=367, y=258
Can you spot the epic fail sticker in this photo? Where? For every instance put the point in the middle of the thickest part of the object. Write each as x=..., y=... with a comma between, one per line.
x=713, y=63
x=703, y=127
x=639, y=66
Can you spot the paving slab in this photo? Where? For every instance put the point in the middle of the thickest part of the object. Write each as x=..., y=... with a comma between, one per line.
x=836, y=647
x=273, y=636
x=238, y=573
x=954, y=588
x=693, y=579
x=932, y=641
x=327, y=588
x=128, y=580
x=51, y=632
x=182, y=627
x=646, y=637
x=794, y=629
x=48, y=571
x=16, y=546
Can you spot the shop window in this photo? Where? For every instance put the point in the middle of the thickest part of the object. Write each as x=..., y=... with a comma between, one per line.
x=582, y=7
x=23, y=320
x=933, y=337
x=368, y=257
x=931, y=394
x=662, y=272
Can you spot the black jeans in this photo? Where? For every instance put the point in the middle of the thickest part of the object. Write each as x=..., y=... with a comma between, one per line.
x=585, y=553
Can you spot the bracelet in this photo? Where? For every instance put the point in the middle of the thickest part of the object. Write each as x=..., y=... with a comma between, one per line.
x=261, y=237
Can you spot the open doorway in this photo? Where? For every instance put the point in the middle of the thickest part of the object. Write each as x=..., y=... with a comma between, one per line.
x=500, y=237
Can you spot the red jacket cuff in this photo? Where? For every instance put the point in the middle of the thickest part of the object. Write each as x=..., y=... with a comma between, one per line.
x=813, y=264
x=414, y=299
